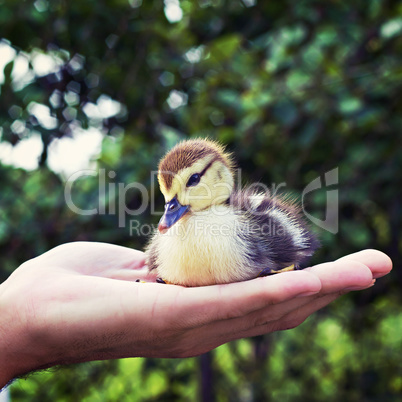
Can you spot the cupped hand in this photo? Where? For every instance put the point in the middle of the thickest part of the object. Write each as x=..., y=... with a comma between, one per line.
x=81, y=302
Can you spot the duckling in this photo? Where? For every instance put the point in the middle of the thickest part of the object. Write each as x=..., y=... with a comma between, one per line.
x=211, y=233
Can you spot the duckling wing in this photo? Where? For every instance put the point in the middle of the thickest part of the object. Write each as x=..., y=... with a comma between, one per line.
x=152, y=253
x=274, y=230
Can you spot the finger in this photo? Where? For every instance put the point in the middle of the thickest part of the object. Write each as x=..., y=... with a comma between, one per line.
x=261, y=317
x=92, y=258
x=342, y=274
x=277, y=312
x=336, y=279
x=218, y=333
x=220, y=302
x=297, y=316
x=379, y=263
x=293, y=319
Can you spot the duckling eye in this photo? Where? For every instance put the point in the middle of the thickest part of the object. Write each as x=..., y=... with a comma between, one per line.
x=193, y=180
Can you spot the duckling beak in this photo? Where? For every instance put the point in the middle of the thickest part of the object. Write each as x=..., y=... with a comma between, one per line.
x=173, y=212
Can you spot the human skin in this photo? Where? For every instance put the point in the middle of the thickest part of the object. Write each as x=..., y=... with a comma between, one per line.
x=80, y=302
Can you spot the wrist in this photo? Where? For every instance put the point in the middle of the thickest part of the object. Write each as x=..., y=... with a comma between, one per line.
x=18, y=354
x=7, y=371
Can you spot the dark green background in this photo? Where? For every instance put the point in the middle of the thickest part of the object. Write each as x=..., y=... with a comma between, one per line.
x=294, y=89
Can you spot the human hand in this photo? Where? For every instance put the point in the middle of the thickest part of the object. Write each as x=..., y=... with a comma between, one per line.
x=80, y=302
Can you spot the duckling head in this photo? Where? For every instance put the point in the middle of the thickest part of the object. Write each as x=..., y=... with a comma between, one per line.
x=194, y=176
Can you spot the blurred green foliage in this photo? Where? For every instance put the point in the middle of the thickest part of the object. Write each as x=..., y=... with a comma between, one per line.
x=294, y=89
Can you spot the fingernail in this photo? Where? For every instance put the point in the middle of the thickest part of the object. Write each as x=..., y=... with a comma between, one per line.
x=305, y=294
x=353, y=288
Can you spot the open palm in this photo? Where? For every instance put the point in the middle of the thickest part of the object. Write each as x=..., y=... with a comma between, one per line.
x=80, y=302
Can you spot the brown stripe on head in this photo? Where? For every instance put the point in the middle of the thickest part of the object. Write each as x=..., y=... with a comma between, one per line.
x=186, y=153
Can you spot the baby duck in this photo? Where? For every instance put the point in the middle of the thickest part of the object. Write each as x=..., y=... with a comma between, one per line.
x=211, y=233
